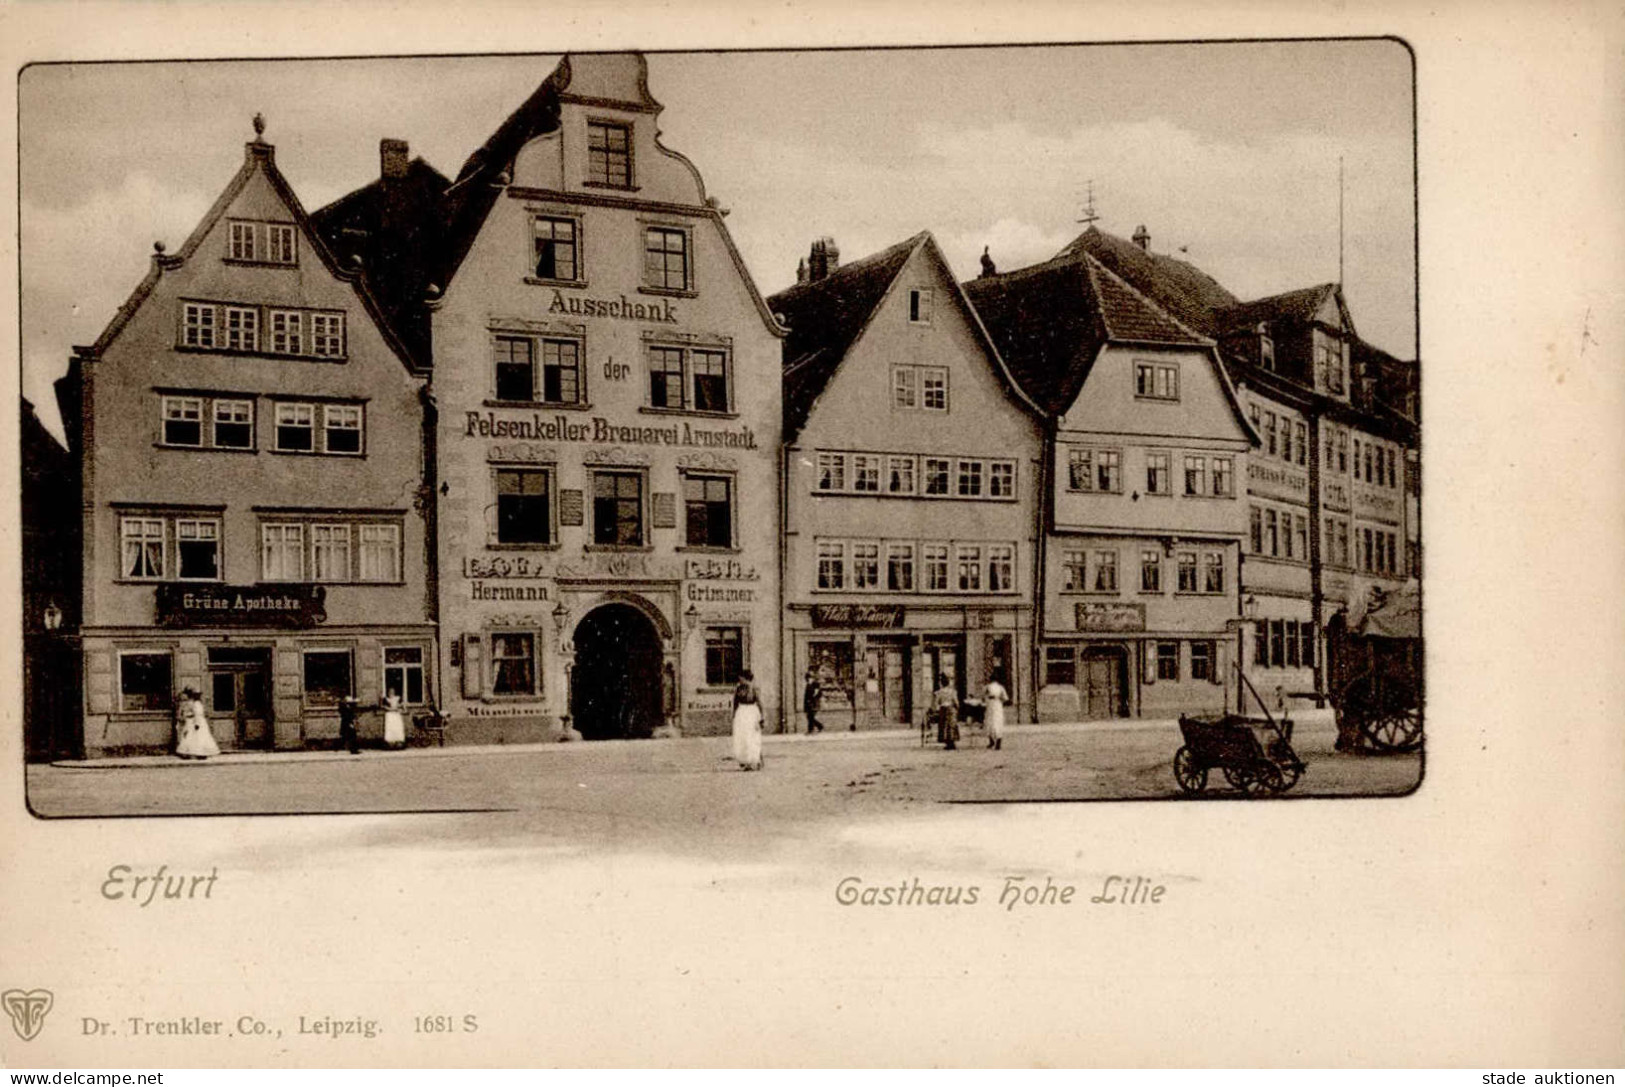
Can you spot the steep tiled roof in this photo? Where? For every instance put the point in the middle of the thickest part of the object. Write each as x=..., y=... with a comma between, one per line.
x=1182, y=289
x=1298, y=306
x=825, y=317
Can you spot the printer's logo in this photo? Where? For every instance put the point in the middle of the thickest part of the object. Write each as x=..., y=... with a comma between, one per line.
x=27, y=1010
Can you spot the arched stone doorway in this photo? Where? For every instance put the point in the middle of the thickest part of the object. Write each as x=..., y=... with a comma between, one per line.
x=615, y=685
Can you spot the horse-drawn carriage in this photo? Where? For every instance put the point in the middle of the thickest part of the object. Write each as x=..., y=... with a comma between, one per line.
x=1374, y=672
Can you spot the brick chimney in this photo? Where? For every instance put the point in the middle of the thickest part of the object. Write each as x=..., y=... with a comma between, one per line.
x=824, y=259
x=1142, y=238
x=393, y=158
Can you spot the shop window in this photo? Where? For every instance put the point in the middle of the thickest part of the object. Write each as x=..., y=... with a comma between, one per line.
x=617, y=509
x=935, y=557
x=141, y=542
x=1105, y=572
x=1203, y=661
x=1060, y=666
x=900, y=568
x=1151, y=571
x=609, y=154
x=403, y=673
x=665, y=258
x=1001, y=568
x=183, y=420
x=380, y=553
x=724, y=655
x=146, y=682
x=899, y=475
x=197, y=547
x=341, y=426
x=1168, y=660
x=513, y=663
x=524, y=512
x=831, y=564
x=330, y=552
x=234, y=424
x=919, y=306
x=970, y=569
x=1157, y=473
x=327, y=676
x=708, y=502
x=554, y=249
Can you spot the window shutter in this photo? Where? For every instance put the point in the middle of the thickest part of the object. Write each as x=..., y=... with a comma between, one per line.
x=473, y=667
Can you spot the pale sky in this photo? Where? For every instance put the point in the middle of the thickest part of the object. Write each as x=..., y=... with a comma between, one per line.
x=1228, y=152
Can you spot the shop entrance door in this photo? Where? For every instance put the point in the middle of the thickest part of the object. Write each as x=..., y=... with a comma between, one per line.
x=1104, y=683
x=892, y=664
x=615, y=685
x=240, y=689
x=943, y=660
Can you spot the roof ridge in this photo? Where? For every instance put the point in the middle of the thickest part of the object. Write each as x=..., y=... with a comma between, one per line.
x=852, y=267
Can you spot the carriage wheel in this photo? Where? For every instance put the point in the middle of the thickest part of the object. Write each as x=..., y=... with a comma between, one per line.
x=1290, y=772
x=1191, y=777
x=1262, y=779
x=1236, y=778
x=1394, y=729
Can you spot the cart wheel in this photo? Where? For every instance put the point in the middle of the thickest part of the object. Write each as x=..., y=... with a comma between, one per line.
x=1394, y=729
x=1290, y=772
x=1236, y=778
x=1262, y=779
x=1191, y=777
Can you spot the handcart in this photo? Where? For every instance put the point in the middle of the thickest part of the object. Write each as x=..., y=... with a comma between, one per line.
x=1374, y=673
x=1254, y=753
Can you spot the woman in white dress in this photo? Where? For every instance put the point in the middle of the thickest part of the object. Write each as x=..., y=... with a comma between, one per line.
x=193, y=738
x=747, y=724
x=394, y=721
x=994, y=698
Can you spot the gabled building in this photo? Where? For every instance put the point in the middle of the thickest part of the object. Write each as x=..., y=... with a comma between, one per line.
x=911, y=497
x=607, y=404
x=1143, y=514
x=1333, y=492
x=248, y=436
x=50, y=592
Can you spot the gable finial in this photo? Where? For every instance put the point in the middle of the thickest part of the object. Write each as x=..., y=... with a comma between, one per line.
x=158, y=247
x=259, y=126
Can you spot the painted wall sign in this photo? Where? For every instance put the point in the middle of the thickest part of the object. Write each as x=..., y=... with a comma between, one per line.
x=1380, y=505
x=715, y=594
x=505, y=711
x=1337, y=495
x=503, y=566
x=182, y=605
x=479, y=590
x=621, y=309
x=1267, y=473
x=888, y=616
x=1110, y=617
x=720, y=570
x=562, y=428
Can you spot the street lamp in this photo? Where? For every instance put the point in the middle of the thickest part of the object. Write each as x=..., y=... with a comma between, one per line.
x=561, y=617
x=52, y=616
x=691, y=618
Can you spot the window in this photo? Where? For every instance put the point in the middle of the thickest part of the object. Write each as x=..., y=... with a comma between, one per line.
x=242, y=241
x=342, y=426
x=865, y=565
x=1300, y=529
x=141, y=547
x=234, y=424
x=1213, y=568
x=724, y=655
x=1167, y=660
x=1329, y=361
x=710, y=381
x=1343, y=543
x=936, y=475
x=1151, y=571
x=1080, y=470
x=970, y=479
x=934, y=388
x=900, y=475
x=919, y=307
x=330, y=552
x=618, y=509
x=380, y=553
x=1370, y=477
x=905, y=387
x=1001, y=479
x=1108, y=474
x=198, y=327
x=708, y=504
x=1357, y=458
x=1074, y=571
x=296, y=428
x=1196, y=475
x=286, y=328
x=1302, y=432
x=515, y=368
x=1271, y=536
x=282, y=552
x=1202, y=661
x=1261, y=643
x=1366, y=552
x=1187, y=571
x=609, y=154
x=1105, y=572
x=403, y=673
x=145, y=682
x=865, y=473
x=900, y=568
x=1001, y=568
x=327, y=334
x=197, y=550
x=832, y=471
x=1224, y=475
x=1306, y=644
x=1291, y=637
x=1342, y=451
x=935, y=557
x=1157, y=474
x=970, y=569
x=554, y=249
x=1277, y=629
x=183, y=420
x=1156, y=381
x=831, y=564
x=1286, y=534
x=327, y=676
x=706, y=388
x=1255, y=526
x=524, y=510
x=513, y=663
x=280, y=245
x=1269, y=432
x=1060, y=666
x=665, y=258
x=1393, y=471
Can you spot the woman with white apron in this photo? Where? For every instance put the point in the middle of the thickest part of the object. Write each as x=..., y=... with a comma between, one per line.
x=394, y=721
x=193, y=739
x=747, y=724
x=994, y=697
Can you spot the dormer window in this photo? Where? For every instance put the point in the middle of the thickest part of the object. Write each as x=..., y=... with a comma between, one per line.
x=1266, y=347
x=609, y=154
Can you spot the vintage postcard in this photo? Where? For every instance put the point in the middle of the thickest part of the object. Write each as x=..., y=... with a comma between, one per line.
x=510, y=536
